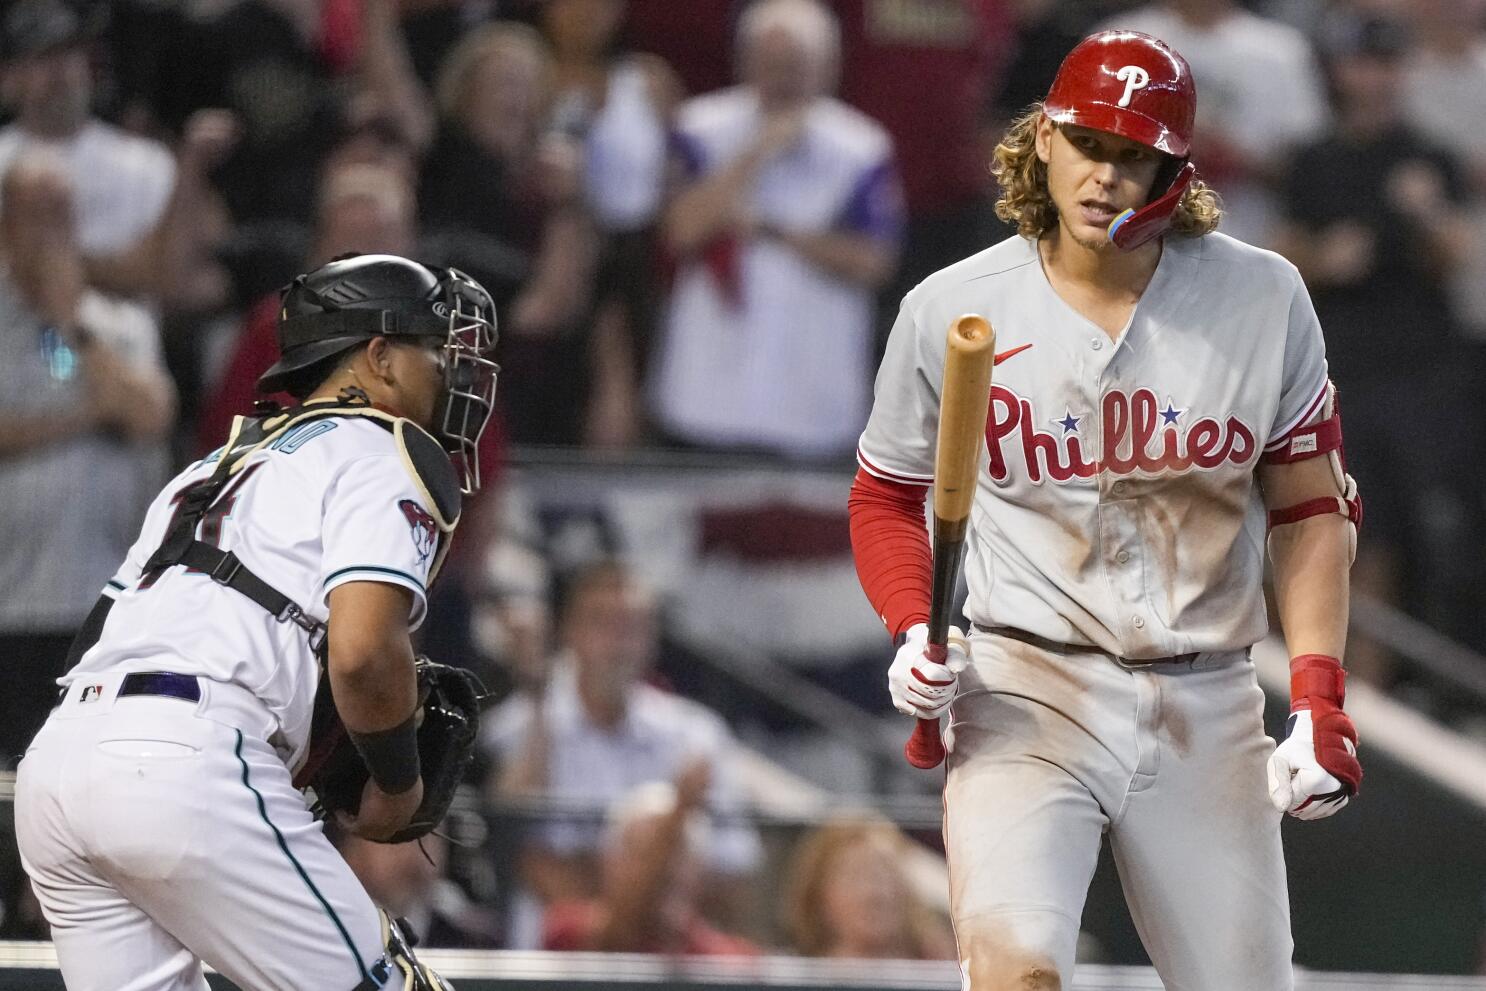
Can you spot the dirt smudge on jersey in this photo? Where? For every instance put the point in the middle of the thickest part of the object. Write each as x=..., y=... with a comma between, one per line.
x=1177, y=728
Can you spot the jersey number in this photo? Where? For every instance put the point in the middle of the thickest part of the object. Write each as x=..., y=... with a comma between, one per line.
x=211, y=520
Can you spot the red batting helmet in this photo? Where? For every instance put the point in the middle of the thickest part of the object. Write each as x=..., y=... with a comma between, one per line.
x=1136, y=86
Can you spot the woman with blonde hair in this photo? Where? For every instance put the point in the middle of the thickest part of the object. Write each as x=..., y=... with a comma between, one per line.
x=850, y=896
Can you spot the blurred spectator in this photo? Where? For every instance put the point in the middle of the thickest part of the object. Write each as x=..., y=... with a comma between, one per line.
x=924, y=70
x=1444, y=79
x=501, y=193
x=363, y=208
x=288, y=70
x=408, y=881
x=1046, y=32
x=588, y=730
x=1372, y=224
x=651, y=879
x=849, y=896
x=620, y=106
x=694, y=38
x=121, y=183
x=84, y=405
x=787, y=223
x=512, y=614
x=1259, y=94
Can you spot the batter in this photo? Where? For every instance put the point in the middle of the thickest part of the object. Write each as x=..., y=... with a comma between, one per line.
x=155, y=810
x=1160, y=406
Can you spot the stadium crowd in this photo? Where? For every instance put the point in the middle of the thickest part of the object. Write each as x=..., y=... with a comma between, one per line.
x=696, y=220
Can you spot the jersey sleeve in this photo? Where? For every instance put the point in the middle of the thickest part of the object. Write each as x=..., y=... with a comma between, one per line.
x=898, y=443
x=875, y=207
x=1304, y=378
x=376, y=528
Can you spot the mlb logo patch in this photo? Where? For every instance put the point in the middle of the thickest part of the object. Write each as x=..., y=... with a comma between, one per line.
x=91, y=693
x=1304, y=444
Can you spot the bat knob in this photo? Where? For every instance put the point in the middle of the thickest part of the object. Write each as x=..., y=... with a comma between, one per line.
x=925, y=748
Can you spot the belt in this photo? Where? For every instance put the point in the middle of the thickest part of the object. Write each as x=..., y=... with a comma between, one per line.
x=163, y=683
x=1012, y=633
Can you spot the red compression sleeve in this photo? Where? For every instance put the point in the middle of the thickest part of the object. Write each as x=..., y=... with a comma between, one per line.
x=890, y=543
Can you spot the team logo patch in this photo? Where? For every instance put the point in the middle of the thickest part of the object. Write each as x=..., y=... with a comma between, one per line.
x=425, y=529
x=1134, y=78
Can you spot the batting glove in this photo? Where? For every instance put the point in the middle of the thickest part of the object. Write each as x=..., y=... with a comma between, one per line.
x=921, y=687
x=1315, y=771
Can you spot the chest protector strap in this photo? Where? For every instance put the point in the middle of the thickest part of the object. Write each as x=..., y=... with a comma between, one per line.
x=421, y=454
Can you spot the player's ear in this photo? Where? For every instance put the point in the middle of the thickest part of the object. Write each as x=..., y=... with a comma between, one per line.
x=1044, y=138
x=379, y=354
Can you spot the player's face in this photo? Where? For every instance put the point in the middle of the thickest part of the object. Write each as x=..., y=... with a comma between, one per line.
x=1094, y=176
x=418, y=374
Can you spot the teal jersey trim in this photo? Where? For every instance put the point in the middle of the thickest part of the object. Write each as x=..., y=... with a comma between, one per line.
x=374, y=569
x=263, y=813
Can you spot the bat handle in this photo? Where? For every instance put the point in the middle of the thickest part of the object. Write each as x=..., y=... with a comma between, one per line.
x=924, y=749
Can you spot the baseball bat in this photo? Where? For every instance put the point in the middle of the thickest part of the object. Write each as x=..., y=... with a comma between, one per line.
x=964, y=401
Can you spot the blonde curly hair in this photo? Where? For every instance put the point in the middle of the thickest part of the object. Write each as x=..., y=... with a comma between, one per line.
x=1025, y=201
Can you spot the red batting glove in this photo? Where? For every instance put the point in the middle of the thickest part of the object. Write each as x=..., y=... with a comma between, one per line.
x=1315, y=771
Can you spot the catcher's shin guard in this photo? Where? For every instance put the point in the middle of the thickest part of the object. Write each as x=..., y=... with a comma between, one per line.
x=399, y=969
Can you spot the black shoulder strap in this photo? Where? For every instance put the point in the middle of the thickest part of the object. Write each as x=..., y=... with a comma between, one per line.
x=180, y=546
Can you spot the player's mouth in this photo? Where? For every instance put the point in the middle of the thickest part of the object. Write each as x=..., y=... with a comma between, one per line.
x=1097, y=213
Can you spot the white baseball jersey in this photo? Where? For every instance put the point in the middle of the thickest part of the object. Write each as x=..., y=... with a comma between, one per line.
x=329, y=502
x=1118, y=505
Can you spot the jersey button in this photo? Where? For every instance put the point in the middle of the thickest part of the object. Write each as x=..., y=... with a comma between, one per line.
x=1138, y=622
x=1097, y=343
x=1122, y=556
x=1118, y=488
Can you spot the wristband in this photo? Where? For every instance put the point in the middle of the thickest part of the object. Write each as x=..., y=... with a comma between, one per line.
x=391, y=755
x=1317, y=676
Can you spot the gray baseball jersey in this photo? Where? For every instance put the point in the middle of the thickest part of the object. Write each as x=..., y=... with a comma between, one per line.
x=1118, y=506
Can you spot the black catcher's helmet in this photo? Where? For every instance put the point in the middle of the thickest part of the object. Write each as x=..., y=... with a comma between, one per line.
x=354, y=299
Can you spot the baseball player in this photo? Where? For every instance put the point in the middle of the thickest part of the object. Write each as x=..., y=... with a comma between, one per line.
x=155, y=811
x=1160, y=406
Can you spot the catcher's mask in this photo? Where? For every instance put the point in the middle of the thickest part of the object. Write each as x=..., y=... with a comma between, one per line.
x=356, y=298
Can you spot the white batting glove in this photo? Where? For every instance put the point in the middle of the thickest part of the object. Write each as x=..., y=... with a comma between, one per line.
x=920, y=687
x=1298, y=784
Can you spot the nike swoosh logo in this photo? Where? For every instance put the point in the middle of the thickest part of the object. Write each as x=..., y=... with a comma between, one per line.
x=1007, y=354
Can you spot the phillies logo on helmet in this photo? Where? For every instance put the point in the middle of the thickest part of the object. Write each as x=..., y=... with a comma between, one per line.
x=1140, y=437
x=1134, y=78
x=425, y=528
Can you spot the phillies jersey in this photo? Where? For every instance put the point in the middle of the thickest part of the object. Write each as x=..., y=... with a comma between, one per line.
x=329, y=502
x=1117, y=504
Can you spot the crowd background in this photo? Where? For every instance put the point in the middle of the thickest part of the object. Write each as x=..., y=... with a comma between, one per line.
x=696, y=219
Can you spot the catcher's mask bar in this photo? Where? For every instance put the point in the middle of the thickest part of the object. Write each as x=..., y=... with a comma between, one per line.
x=469, y=374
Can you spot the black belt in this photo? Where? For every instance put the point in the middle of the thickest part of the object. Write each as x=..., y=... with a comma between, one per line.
x=163, y=683
x=1012, y=633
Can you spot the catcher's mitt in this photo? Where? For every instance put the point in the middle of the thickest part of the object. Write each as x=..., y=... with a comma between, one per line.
x=449, y=700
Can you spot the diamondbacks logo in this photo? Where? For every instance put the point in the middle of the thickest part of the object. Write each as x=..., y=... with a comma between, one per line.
x=1140, y=436
x=425, y=528
x=1134, y=78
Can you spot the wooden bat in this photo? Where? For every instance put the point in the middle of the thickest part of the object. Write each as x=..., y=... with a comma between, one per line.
x=964, y=401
